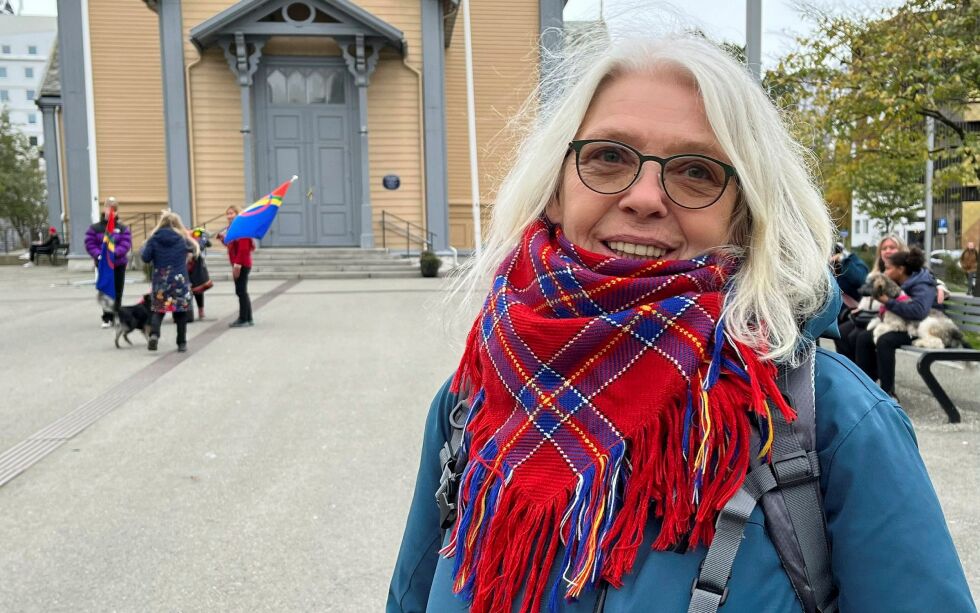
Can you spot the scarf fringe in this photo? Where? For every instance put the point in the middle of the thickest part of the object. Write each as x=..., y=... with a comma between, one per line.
x=506, y=539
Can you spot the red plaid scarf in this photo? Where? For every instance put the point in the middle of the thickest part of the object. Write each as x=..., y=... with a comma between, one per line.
x=600, y=388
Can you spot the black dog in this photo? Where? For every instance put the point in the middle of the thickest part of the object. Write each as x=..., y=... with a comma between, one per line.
x=130, y=318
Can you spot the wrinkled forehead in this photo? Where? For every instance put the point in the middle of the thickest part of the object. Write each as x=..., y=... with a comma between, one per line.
x=676, y=120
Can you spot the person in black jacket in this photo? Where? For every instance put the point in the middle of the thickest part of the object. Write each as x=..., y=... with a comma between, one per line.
x=45, y=248
x=166, y=249
x=907, y=268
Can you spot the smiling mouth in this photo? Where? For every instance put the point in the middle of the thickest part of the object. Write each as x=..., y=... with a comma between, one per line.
x=635, y=251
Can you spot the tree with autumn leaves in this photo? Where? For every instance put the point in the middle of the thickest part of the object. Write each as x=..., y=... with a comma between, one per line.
x=859, y=90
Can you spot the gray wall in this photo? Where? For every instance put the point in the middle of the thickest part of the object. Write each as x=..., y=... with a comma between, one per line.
x=175, y=109
x=51, y=165
x=72, y=75
x=550, y=17
x=433, y=91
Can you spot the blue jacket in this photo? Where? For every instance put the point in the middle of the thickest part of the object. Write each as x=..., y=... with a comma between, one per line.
x=851, y=275
x=891, y=549
x=167, y=249
x=921, y=290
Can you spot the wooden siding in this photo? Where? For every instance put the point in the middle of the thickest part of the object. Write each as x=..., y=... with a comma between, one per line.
x=505, y=66
x=394, y=118
x=394, y=142
x=214, y=120
x=128, y=93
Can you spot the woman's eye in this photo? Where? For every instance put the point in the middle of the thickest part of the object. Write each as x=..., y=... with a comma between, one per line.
x=609, y=156
x=697, y=172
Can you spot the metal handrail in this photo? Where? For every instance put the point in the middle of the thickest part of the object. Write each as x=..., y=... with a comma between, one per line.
x=423, y=237
x=204, y=224
x=145, y=222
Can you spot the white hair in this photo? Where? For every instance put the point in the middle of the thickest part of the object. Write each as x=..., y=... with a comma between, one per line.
x=781, y=229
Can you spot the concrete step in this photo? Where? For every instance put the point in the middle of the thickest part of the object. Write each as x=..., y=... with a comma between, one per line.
x=335, y=274
x=257, y=263
x=257, y=268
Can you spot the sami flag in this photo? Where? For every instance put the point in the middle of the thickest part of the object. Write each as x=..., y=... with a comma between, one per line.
x=105, y=282
x=255, y=221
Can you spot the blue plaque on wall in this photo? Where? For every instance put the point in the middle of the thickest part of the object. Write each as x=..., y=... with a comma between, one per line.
x=391, y=181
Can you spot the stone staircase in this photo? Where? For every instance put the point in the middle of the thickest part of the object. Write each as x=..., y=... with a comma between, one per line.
x=313, y=263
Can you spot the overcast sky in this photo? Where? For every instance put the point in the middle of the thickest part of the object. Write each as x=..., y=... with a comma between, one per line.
x=721, y=19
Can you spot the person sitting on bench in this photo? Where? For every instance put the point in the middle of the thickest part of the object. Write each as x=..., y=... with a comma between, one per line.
x=47, y=247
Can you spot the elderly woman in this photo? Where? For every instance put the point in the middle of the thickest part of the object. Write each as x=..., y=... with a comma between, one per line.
x=653, y=257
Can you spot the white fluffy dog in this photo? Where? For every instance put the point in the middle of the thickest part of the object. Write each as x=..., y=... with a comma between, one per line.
x=936, y=331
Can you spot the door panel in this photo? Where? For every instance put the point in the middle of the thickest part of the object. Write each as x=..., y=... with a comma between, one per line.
x=308, y=133
x=292, y=223
x=332, y=202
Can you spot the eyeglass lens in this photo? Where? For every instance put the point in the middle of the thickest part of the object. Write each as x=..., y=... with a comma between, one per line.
x=609, y=167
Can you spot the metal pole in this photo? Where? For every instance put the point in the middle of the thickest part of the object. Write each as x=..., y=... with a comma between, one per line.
x=753, y=37
x=930, y=144
x=471, y=123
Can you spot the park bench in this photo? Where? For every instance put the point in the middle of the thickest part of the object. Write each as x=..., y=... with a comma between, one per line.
x=59, y=249
x=965, y=313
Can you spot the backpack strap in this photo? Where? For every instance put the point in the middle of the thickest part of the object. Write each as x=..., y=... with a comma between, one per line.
x=452, y=462
x=796, y=525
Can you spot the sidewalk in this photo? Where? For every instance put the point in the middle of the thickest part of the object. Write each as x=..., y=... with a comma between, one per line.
x=269, y=468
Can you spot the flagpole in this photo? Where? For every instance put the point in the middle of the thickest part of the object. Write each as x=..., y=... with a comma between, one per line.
x=471, y=124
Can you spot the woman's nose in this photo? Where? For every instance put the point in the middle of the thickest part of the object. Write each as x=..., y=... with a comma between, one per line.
x=646, y=197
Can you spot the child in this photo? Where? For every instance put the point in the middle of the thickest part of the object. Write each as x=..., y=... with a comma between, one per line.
x=197, y=270
x=167, y=248
x=240, y=256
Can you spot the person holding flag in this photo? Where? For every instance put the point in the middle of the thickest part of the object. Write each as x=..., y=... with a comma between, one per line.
x=115, y=242
x=244, y=227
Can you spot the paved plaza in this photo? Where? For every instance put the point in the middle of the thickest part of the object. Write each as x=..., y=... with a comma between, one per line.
x=269, y=468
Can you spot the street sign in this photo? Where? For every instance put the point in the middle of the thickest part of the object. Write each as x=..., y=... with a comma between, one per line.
x=943, y=226
x=844, y=233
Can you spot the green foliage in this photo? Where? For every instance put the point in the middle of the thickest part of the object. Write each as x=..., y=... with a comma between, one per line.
x=429, y=262
x=952, y=273
x=859, y=91
x=21, y=182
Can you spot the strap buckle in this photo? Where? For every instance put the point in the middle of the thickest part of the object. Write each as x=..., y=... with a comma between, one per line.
x=695, y=586
x=446, y=497
x=794, y=468
x=452, y=468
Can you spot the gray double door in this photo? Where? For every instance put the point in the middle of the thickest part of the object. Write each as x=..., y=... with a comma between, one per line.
x=305, y=119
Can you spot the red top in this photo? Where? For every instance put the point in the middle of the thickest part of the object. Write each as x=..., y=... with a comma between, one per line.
x=240, y=251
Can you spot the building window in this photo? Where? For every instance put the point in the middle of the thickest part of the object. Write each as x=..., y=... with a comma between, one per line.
x=32, y=140
x=6, y=49
x=4, y=95
x=32, y=118
x=3, y=72
x=31, y=50
x=28, y=73
x=30, y=94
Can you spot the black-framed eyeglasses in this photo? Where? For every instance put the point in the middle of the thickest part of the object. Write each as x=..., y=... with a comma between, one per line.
x=690, y=180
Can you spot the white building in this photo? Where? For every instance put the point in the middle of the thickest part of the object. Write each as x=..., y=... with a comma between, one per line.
x=25, y=44
x=867, y=231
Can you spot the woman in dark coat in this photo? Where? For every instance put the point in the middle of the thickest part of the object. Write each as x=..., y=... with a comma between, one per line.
x=166, y=249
